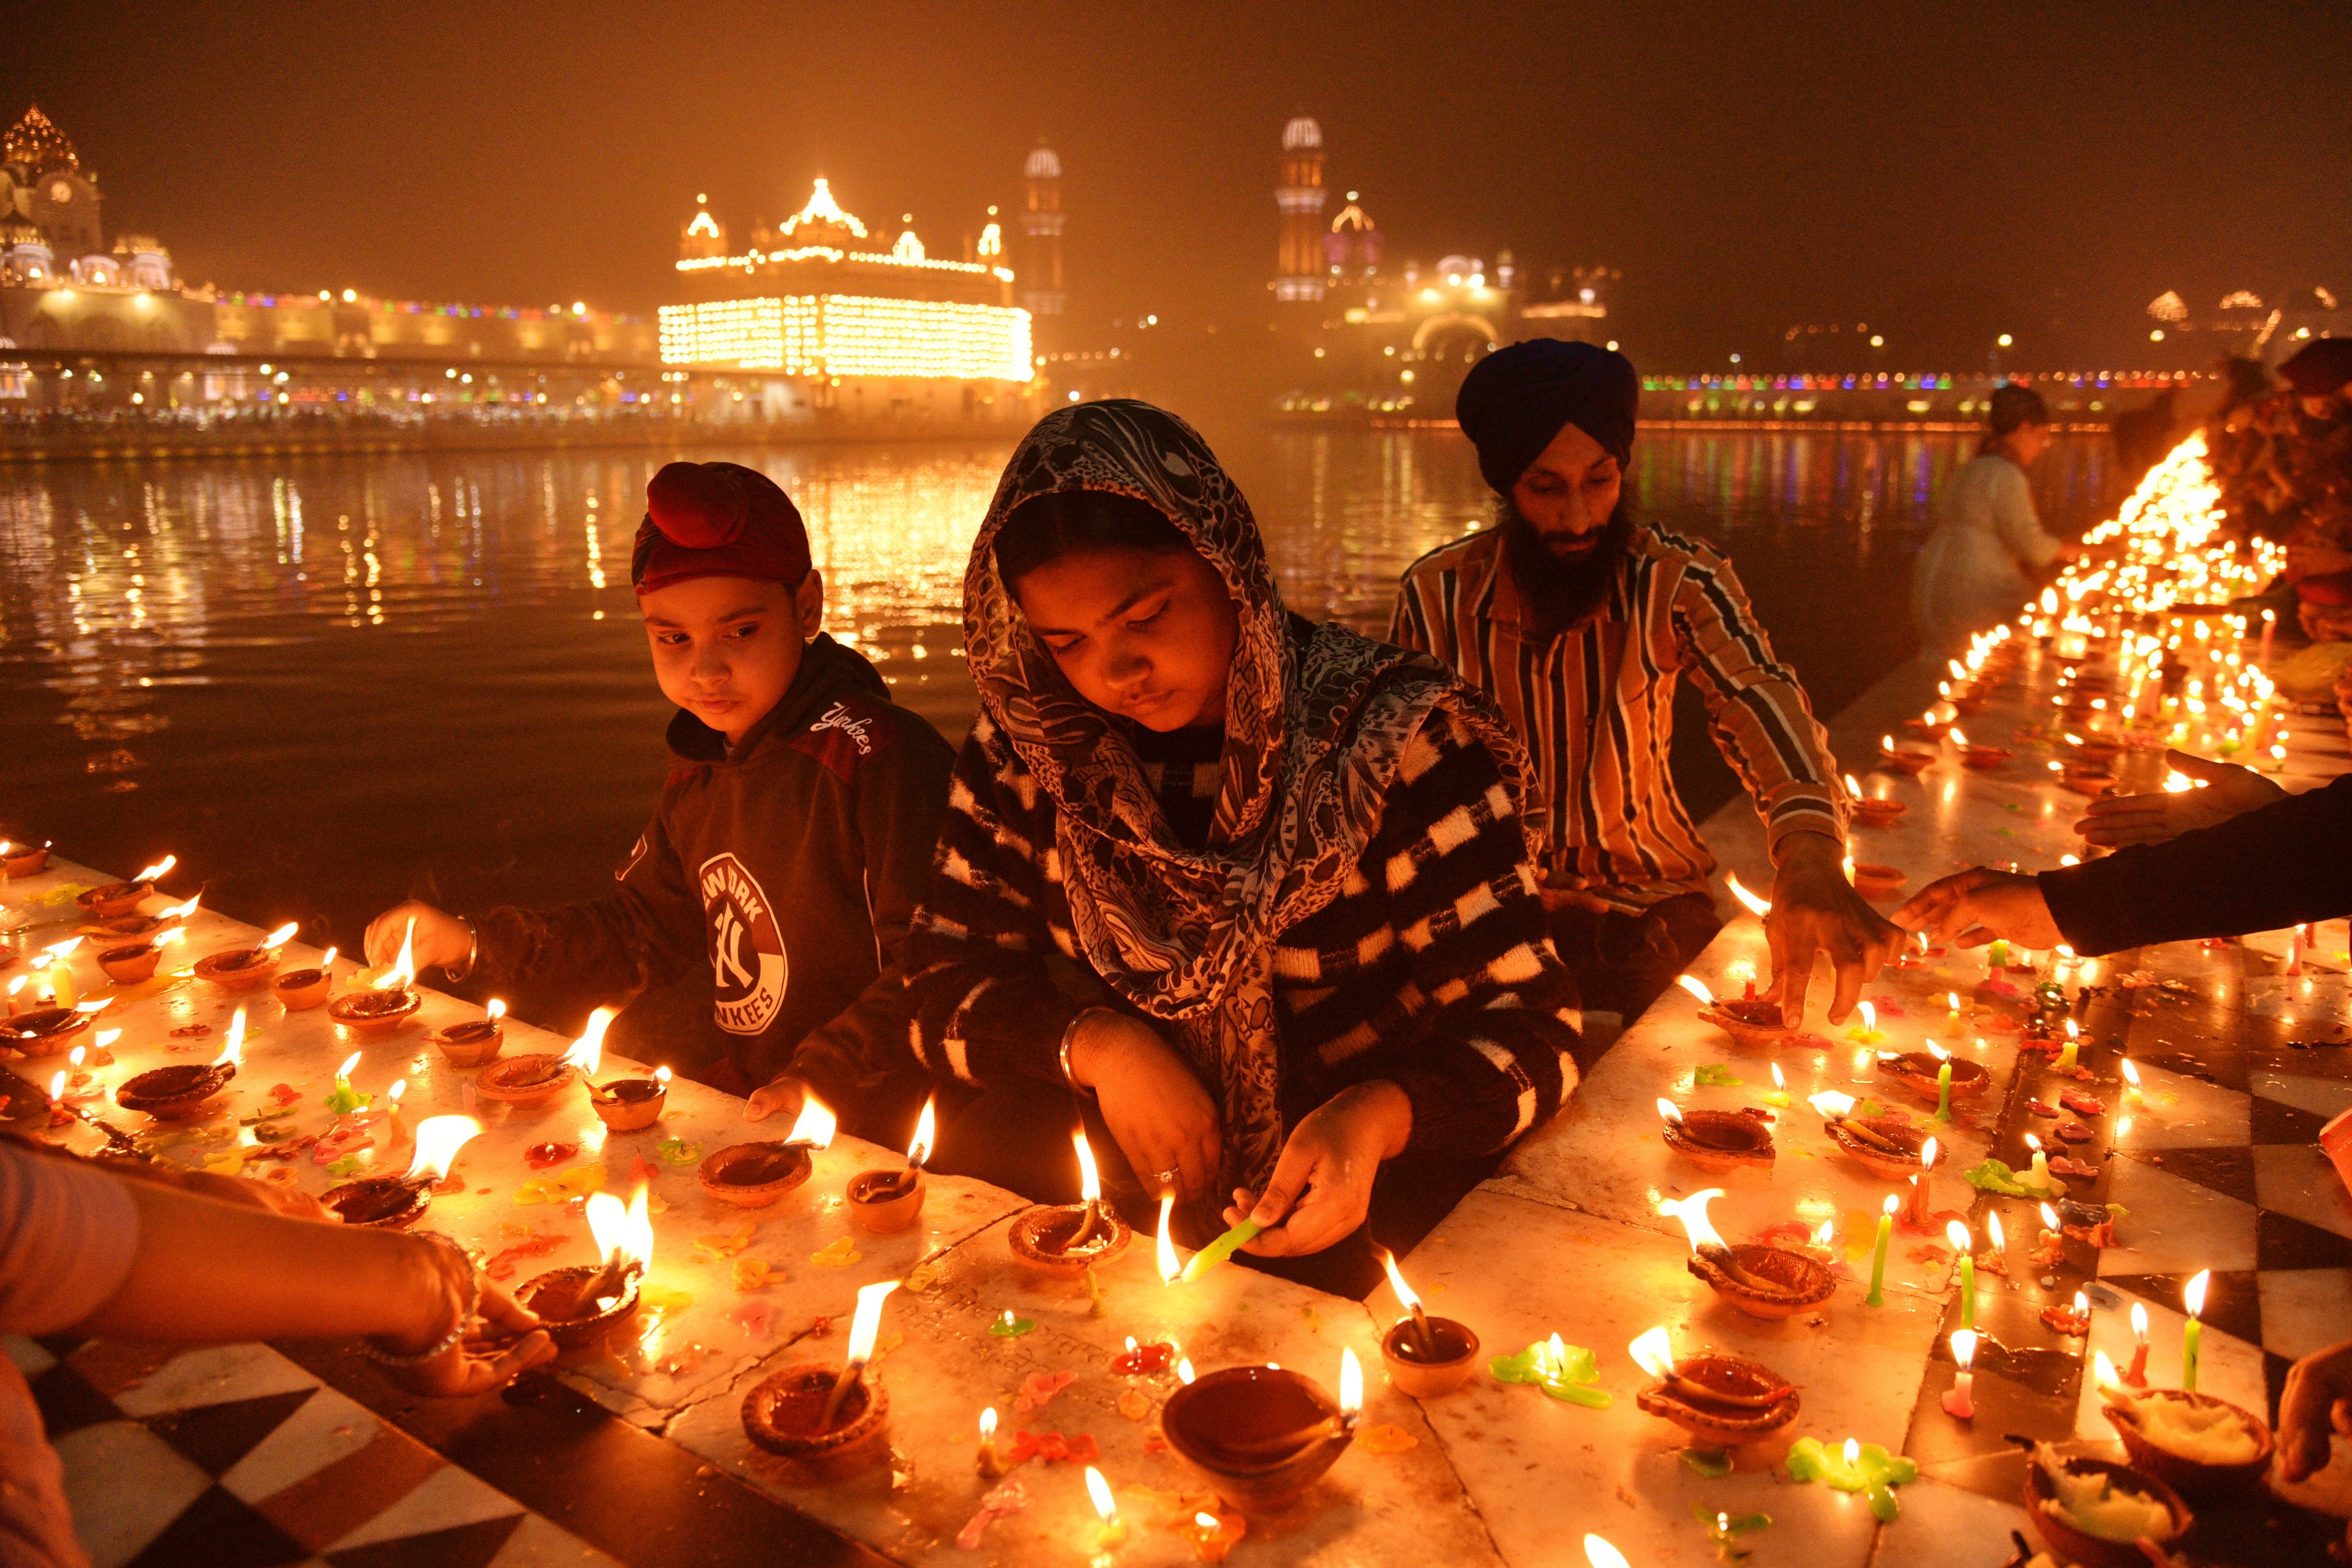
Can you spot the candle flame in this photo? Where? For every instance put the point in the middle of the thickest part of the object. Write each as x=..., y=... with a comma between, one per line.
x=1826, y=1235
x=1754, y=905
x=279, y=937
x=1692, y=1212
x=2139, y=1320
x=1168, y=1267
x=1892, y=1203
x=1777, y=1080
x=1208, y=1521
x=988, y=1424
x=919, y=1151
x=2049, y=1218
x=1887, y=743
x=1654, y=1353
x=495, y=1011
x=867, y=1326
x=1848, y=868
x=1351, y=1383
x=1404, y=1292
x=343, y=1073
x=2033, y=1143
x=1927, y=1154
x=1993, y=1229
x=1667, y=1109
x=1939, y=1052
x=1183, y=1369
x=2082, y=1304
x=181, y=911
x=1601, y=1554
x=1869, y=1018
x=1964, y=1347
x=2073, y=1030
x=813, y=1127
x=2131, y=1072
x=57, y=1087
x=587, y=1052
x=89, y=1009
x=1831, y=1104
x=106, y=1038
x=662, y=1077
x=1100, y=1489
x=404, y=967
x=59, y=952
x=1854, y=785
x=1696, y=987
x=74, y=1057
x=2103, y=1372
x=2193, y=1295
x=391, y=1095
x=1852, y=1453
x=1958, y=739
x=233, y=1052
x=438, y=1139
x=1957, y=1235
x=160, y=867
x=1089, y=1181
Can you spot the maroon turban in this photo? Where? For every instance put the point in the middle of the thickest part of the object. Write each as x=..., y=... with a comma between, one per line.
x=717, y=519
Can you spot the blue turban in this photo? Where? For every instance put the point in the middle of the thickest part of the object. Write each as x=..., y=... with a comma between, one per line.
x=1517, y=400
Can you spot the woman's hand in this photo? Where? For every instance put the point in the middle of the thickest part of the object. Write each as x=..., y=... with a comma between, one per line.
x=2317, y=1402
x=1980, y=904
x=443, y=941
x=1164, y=1120
x=502, y=1340
x=781, y=1096
x=2114, y=820
x=1322, y=1187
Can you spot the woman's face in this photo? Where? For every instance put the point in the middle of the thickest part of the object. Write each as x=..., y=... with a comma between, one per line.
x=2027, y=442
x=1147, y=635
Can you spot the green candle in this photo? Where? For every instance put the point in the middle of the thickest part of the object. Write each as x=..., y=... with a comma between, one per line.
x=1217, y=1251
x=1944, y=1092
x=2193, y=1298
x=1997, y=955
x=1957, y=1235
x=1878, y=1297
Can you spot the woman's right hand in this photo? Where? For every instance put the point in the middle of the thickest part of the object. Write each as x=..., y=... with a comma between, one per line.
x=502, y=1339
x=1164, y=1120
x=443, y=941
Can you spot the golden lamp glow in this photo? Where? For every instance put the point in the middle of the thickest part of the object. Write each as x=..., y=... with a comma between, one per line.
x=918, y=1150
x=1089, y=1181
x=1696, y=987
x=867, y=1326
x=2049, y=1218
x=988, y=1424
x=1654, y=1353
x=2103, y=1372
x=1184, y=1369
x=2140, y=1319
x=233, y=1052
x=1957, y=1235
x=1692, y=1212
x=1668, y=1113
x=2192, y=1295
x=438, y=1139
x=160, y=867
x=813, y=1127
x=1964, y=1348
x=181, y=911
x=1098, y=1489
x=1599, y=1553
x=1852, y=1451
x=1351, y=1383
x=495, y=1011
x=1168, y=1267
x=1927, y=1154
x=404, y=968
x=1404, y=1292
x=343, y=1073
x=1831, y=1104
x=1754, y=905
x=1890, y=1205
x=1869, y=1017
x=279, y=937
x=587, y=1052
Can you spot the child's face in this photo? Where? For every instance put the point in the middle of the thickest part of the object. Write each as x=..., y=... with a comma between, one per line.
x=1146, y=634
x=724, y=648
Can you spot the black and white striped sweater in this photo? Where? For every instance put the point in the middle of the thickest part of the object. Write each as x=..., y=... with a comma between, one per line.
x=1433, y=970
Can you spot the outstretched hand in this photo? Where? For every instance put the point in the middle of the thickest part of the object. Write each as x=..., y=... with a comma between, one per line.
x=781, y=1096
x=503, y=1342
x=2116, y=820
x=1815, y=911
x=1977, y=905
x=1321, y=1188
x=442, y=941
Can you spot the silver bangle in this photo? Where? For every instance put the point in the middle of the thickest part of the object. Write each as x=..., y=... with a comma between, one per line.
x=464, y=971
x=1069, y=1037
x=440, y=1347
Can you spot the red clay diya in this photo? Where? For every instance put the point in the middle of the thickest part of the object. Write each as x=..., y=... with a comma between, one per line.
x=114, y=898
x=379, y=1202
x=175, y=1093
x=2084, y=782
x=1761, y=1281
x=1983, y=757
x=374, y=1011
x=124, y=928
x=43, y=1031
x=1428, y=1358
x=238, y=969
x=2098, y=749
x=579, y=1304
x=2052, y=1522
x=1902, y=760
x=1067, y=1239
x=1753, y=1022
x=753, y=1176
x=1873, y=881
x=883, y=1202
x=524, y=1081
x=1927, y=729
x=2170, y=1458
x=1919, y=1072
x=1258, y=1436
x=473, y=1042
x=1719, y=1141
x=629, y=1104
x=1722, y=1401
x=23, y=859
x=784, y=1416
x=299, y=990
x=130, y=964
x=1878, y=810
x=1885, y=1146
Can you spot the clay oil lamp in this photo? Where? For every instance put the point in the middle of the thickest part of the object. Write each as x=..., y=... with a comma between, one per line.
x=883, y=1202
x=1753, y=1022
x=1902, y=759
x=1761, y=1281
x=2094, y=1512
x=136, y=927
x=531, y=1080
x=1973, y=755
x=45, y=1031
x=754, y=1175
x=245, y=968
x=1426, y=1357
x=1872, y=810
x=474, y=1041
x=2093, y=749
x=1872, y=880
x=1922, y=1073
x=2202, y=1447
x=1066, y=1240
x=112, y=898
x=395, y=1202
x=579, y=1305
x=1722, y=1401
x=1887, y=1146
x=391, y=1002
x=828, y=1423
x=1718, y=1140
x=1258, y=1436
x=23, y=859
x=135, y=962
x=299, y=990
x=183, y=1092
x=629, y=1104
x=1927, y=726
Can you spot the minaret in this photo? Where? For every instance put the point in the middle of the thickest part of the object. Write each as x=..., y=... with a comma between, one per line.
x=1301, y=265
x=1041, y=224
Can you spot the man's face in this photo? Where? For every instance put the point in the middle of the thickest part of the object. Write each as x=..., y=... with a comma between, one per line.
x=726, y=649
x=1568, y=494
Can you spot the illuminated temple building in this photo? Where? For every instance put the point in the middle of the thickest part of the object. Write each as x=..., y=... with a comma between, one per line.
x=851, y=320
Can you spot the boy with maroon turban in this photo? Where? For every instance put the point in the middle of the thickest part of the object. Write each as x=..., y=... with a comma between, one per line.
x=793, y=836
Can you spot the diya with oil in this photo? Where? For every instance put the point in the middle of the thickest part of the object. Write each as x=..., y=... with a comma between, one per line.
x=1754, y=1023
x=1258, y=1436
x=784, y=1414
x=131, y=963
x=628, y=1104
x=1887, y=1146
x=1720, y=1400
x=43, y=1031
x=299, y=990
x=25, y=859
x=2185, y=1472
x=179, y=1093
x=1718, y=1140
x=753, y=1175
x=526, y=1082
x=1427, y=1357
x=375, y=1010
x=469, y=1043
x=1066, y=1240
x=882, y=1203
x=1920, y=1072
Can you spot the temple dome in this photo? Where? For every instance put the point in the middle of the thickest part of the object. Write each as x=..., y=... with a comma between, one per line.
x=1301, y=133
x=1044, y=164
x=36, y=142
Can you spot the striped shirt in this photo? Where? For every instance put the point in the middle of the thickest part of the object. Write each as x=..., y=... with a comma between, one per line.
x=1596, y=704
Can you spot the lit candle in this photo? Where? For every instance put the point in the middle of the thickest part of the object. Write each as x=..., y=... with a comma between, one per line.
x=1601, y=1554
x=2073, y=1040
x=2131, y=1081
x=2193, y=1298
x=1999, y=1262
x=1920, y=1194
x=1997, y=955
x=989, y=1466
x=1958, y=1403
x=1112, y=1530
x=1780, y=1095
x=2296, y=940
x=1943, y=1083
x=2138, y=1375
x=1957, y=1235
x=2052, y=1240
x=1866, y=1032
x=2039, y=1174
x=1954, y=1024
x=345, y=1099
x=1878, y=1297
x=61, y=979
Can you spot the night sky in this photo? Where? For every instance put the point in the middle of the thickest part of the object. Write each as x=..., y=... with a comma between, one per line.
x=2044, y=170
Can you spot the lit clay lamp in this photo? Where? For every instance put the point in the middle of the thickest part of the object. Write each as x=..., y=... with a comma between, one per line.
x=117, y=899
x=391, y=1002
x=395, y=1202
x=1752, y=1021
x=630, y=1104
x=1067, y=1239
x=828, y=1423
x=1872, y=880
x=2096, y=749
x=1258, y=1436
x=578, y=1304
x=1426, y=1357
x=2094, y=1512
x=2085, y=779
x=181, y=1094
x=1761, y=1281
x=136, y=928
x=45, y=1031
x=2202, y=1447
x=245, y=968
x=1927, y=726
x=472, y=1042
x=23, y=859
x=299, y=990
x=1872, y=810
x=1718, y=1140
x=1902, y=759
x=1886, y=1146
x=1722, y=1401
x=134, y=961
x=1922, y=1073
x=1980, y=757
x=532, y=1079
x=753, y=1175
x=882, y=1201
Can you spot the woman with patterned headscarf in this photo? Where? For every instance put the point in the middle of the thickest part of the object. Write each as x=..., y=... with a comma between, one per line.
x=1285, y=864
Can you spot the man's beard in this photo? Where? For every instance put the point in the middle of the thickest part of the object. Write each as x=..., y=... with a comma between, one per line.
x=1559, y=592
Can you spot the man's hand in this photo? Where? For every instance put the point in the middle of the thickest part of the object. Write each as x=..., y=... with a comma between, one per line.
x=2317, y=1403
x=1566, y=891
x=1975, y=906
x=781, y=1096
x=2117, y=820
x=443, y=942
x=1321, y=1188
x=1815, y=909
x=1164, y=1120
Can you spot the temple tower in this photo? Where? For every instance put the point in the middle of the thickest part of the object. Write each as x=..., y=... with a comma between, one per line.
x=1299, y=263
x=1040, y=226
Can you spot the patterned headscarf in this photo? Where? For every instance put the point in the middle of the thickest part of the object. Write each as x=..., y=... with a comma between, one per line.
x=1316, y=719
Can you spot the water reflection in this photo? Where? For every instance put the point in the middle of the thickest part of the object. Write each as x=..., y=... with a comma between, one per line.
x=328, y=682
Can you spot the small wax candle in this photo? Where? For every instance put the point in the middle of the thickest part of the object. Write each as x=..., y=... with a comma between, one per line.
x=2138, y=1375
x=1944, y=1092
x=989, y=1466
x=1997, y=955
x=2193, y=1298
x=1878, y=1297
x=1958, y=1401
x=1957, y=1235
x=2074, y=1042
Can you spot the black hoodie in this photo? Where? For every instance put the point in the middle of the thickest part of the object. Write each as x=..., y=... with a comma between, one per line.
x=790, y=863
